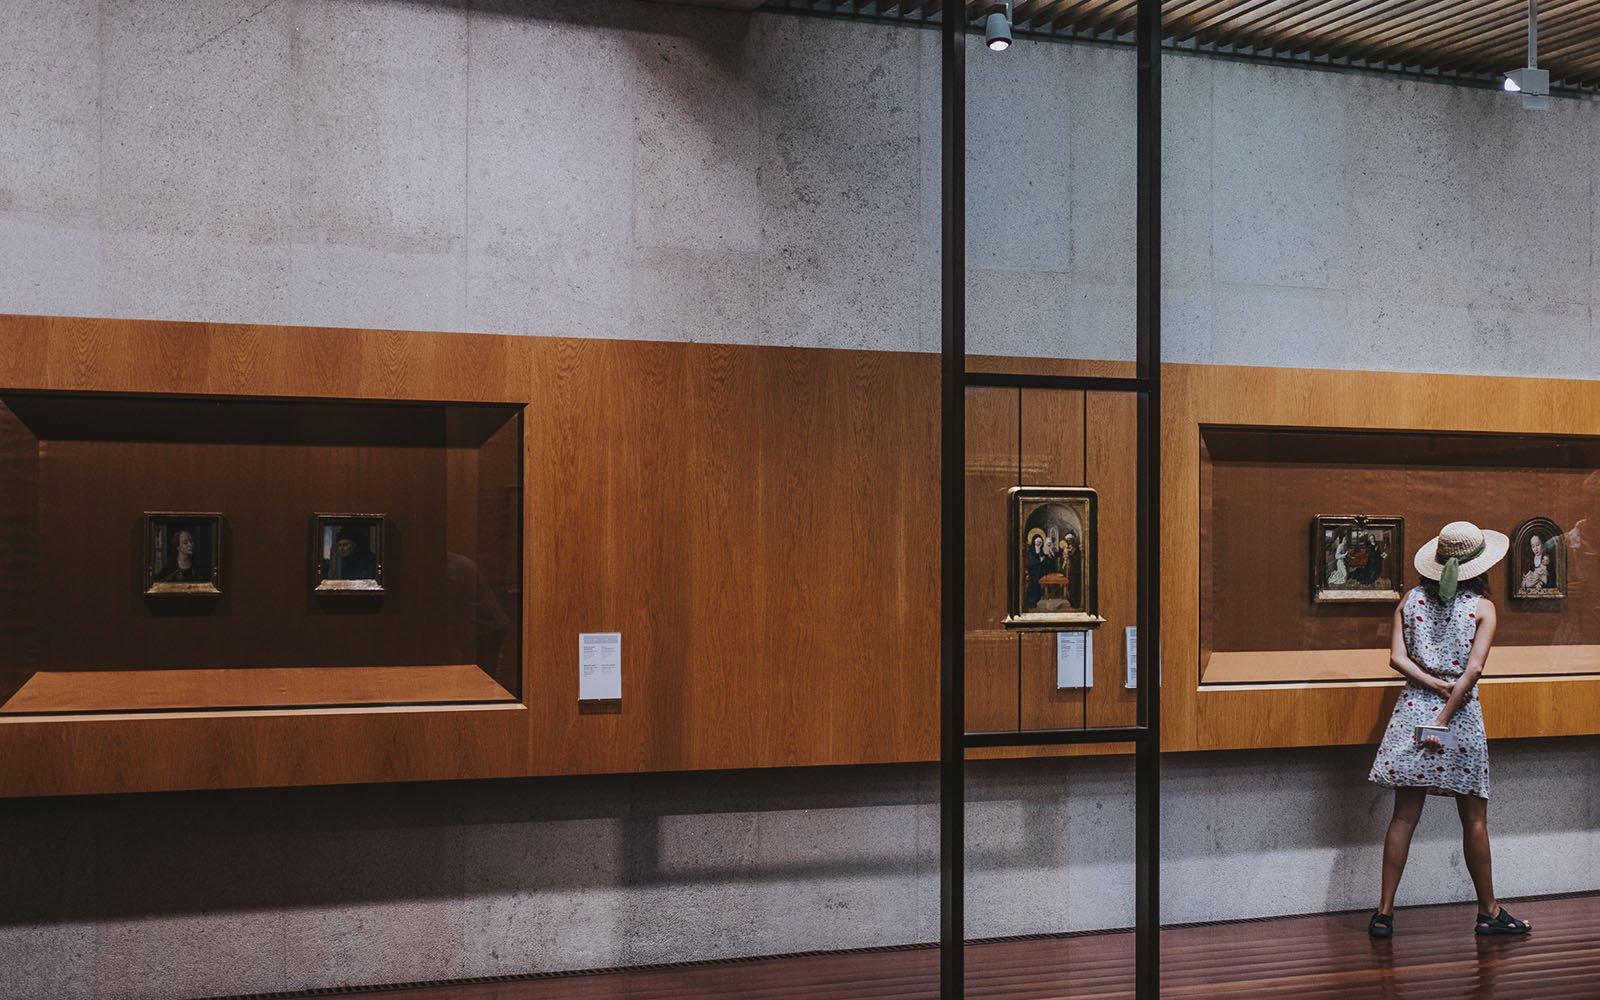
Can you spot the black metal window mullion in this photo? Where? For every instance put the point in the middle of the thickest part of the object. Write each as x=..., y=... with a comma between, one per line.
x=1146, y=384
x=952, y=561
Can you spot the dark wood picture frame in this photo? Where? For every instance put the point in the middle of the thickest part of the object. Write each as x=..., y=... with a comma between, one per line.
x=1526, y=584
x=327, y=574
x=1336, y=576
x=161, y=553
x=1043, y=597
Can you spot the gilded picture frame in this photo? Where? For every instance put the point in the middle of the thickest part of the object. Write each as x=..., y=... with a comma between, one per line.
x=1357, y=558
x=1054, y=558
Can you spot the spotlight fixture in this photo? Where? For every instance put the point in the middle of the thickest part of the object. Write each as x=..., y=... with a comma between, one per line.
x=1531, y=82
x=997, y=26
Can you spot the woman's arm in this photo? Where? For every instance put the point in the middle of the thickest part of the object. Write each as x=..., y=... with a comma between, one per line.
x=1400, y=660
x=1475, y=661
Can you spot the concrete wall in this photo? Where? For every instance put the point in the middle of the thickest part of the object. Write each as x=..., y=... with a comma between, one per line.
x=160, y=896
x=622, y=170
x=657, y=172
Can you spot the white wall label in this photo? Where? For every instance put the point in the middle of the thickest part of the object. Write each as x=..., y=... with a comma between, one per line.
x=1075, y=659
x=599, y=666
x=1133, y=659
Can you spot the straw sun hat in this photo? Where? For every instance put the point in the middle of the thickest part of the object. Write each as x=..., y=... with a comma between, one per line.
x=1461, y=551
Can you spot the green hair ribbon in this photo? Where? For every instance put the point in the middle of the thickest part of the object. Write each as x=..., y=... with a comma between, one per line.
x=1452, y=572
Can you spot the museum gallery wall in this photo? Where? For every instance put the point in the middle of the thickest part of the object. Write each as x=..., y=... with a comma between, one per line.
x=704, y=515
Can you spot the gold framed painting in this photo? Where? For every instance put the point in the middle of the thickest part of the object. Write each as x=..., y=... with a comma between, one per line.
x=1357, y=558
x=182, y=553
x=1054, y=558
x=1538, y=561
x=347, y=553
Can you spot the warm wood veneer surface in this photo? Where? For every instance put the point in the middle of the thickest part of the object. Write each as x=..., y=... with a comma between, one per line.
x=1279, y=666
x=267, y=687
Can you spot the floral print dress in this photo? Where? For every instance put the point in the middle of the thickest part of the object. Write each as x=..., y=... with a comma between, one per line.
x=1438, y=639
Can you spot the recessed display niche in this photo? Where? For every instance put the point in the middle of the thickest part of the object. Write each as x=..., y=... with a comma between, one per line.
x=88, y=626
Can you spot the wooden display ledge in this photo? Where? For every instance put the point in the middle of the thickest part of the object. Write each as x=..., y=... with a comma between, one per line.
x=57, y=691
x=1294, y=666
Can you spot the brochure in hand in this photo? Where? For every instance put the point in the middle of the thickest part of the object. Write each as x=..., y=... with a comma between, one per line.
x=1447, y=739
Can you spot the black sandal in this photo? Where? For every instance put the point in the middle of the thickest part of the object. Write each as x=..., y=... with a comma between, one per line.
x=1381, y=925
x=1501, y=923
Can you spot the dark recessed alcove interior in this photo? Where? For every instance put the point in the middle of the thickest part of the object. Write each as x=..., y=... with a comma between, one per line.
x=78, y=632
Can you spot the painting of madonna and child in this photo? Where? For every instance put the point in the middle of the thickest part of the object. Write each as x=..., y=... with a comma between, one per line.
x=1053, y=558
x=1357, y=558
x=1538, y=561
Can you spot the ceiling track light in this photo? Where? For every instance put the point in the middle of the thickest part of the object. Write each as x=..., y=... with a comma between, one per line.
x=1531, y=82
x=997, y=26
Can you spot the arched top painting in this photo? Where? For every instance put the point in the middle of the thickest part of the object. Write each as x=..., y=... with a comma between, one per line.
x=1538, y=561
x=1053, y=562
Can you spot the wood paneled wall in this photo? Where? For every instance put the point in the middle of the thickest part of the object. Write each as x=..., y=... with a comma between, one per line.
x=219, y=749
x=1036, y=437
x=761, y=526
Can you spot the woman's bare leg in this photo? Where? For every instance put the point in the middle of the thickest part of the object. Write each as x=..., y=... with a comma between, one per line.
x=1397, y=843
x=1475, y=847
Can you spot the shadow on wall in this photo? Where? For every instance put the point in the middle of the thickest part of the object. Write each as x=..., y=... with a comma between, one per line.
x=208, y=852
x=1283, y=831
x=1299, y=831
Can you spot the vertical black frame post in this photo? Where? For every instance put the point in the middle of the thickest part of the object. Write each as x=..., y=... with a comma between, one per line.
x=954, y=381
x=1147, y=752
x=952, y=503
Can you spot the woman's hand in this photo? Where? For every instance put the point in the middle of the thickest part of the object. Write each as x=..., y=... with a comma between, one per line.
x=1431, y=743
x=1437, y=685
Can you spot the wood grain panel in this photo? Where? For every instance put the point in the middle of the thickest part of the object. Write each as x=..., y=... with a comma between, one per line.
x=1199, y=716
x=761, y=526
x=20, y=638
x=90, y=754
x=80, y=691
x=1050, y=366
x=1279, y=666
x=158, y=751
x=760, y=523
x=1111, y=459
x=1052, y=450
x=992, y=697
x=100, y=355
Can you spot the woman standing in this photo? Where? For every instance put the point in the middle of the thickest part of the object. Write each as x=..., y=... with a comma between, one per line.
x=1442, y=633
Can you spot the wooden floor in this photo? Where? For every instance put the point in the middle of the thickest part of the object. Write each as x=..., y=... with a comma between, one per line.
x=1434, y=954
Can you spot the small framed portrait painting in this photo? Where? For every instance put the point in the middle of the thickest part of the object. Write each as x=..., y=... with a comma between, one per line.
x=347, y=553
x=1053, y=559
x=182, y=553
x=1357, y=558
x=1538, y=561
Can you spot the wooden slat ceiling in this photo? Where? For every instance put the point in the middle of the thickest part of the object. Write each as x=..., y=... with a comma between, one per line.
x=1468, y=38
